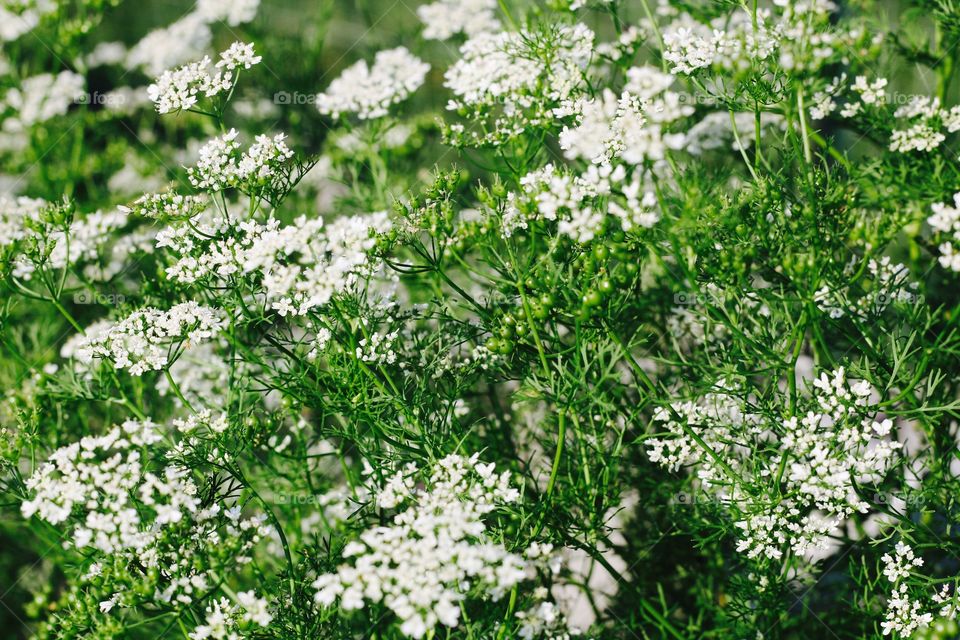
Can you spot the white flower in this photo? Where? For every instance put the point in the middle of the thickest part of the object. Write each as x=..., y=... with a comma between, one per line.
x=687, y=51
x=369, y=91
x=830, y=450
x=500, y=69
x=254, y=609
x=870, y=93
x=15, y=216
x=378, y=348
x=570, y=201
x=238, y=54
x=889, y=283
x=40, y=98
x=181, y=89
x=904, y=615
x=168, y=204
x=184, y=40
x=18, y=18
x=300, y=266
x=144, y=340
x=233, y=12
x=102, y=480
x=945, y=221
x=919, y=137
x=220, y=622
x=446, y=18
x=221, y=165
x=320, y=343
x=434, y=551
x=107, y=605
x=545, y=619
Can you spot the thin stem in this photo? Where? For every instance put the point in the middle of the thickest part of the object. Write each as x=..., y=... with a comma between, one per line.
x=176, y=390
x=743, y=152
x=804, y=134
x=561, y=436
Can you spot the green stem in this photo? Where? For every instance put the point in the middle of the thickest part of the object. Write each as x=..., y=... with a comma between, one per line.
x=561, y=436
x=177, y=392
x=807, y=153
x=743, y=152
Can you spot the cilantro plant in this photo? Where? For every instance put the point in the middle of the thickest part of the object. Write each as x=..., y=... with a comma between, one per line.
x=480, y=319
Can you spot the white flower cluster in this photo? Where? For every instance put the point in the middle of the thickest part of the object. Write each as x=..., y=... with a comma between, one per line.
x=446, y=18
x=571, y=52
x=90, y=240
x=146, y=339
x=571, y=202
x=507, y=81
x=555, y=196
x=809, y=38
x=71, y=345
x=378, y=348
x=40, y=98
x=166, y=205
x=629, y=128
x=107, y=53
x=716, y=131
x=85, y=238
x=221, y=165
x=545, y=620
x=370, y=91
x=435, y=552
x=590, y=138
x=22, y=16
x=715, y=418
x=223, y=618
x=189, y=37
x=687, y=51
x=16, y=217
x=299, y=266
x=188, y=557
x=824, y=102
x=204, y=421
x=320, y=343
x=639, y=209
x=15, y=213
x=609, y=125
x=834, y=447
x=693, y=331
x=179, y=42
x=889, y=283
x=694, y=46
x=904, y=615
x=233, y=12
x=103, y=484
x=123, y=504
x=925, y=123
x=796, y=35
x=181, y=89
x=946, y=222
